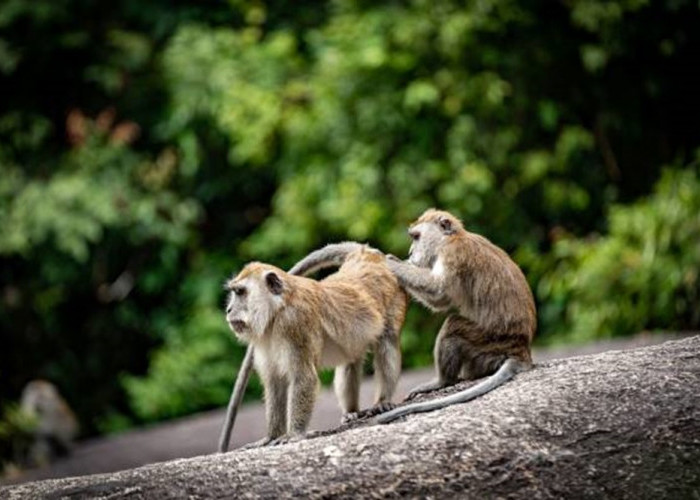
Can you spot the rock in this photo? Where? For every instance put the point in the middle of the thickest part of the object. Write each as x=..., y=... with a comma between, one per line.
x=622, y=424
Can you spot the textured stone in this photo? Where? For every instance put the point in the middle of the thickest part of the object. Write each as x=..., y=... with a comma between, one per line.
x=621, y=424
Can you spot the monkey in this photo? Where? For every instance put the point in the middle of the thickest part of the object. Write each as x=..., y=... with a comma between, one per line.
x=296, y=325
x=56, y=424
x=490, y=330
x=331, y=255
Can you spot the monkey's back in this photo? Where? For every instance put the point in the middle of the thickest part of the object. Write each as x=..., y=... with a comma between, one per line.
x=494, y=296
x=365, y=284
x=369, y=270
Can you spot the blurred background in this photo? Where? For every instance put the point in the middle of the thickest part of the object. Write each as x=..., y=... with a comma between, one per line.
x=149, y=149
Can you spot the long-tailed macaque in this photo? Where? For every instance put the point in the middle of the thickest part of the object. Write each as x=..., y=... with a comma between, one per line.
x=493, y=321
x=56, y=424
x=297, y=325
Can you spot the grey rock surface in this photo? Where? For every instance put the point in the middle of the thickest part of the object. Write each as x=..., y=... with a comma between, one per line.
x=622, y=424
x=198, y=434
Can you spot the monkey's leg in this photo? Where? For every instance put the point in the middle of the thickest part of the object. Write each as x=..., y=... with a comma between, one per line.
x=347, y=382
x=60, y=446
x=450, y=354
x=40, y=451
x=387, y=367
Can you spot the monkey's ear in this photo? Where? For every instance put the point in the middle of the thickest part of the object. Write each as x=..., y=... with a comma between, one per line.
x=445, y=225
x=274, y=283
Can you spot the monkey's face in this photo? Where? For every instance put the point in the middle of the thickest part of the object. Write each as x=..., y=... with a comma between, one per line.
x=428, y=235
x=254, y=299
x=38, y=397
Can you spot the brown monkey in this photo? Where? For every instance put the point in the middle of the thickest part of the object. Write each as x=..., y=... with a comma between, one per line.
x=328, y=256
x=494, y=321
x=297, y=325
x=56, y=426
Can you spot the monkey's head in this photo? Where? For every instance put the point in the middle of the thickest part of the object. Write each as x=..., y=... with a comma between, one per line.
x=429, y=233
x=39, y=396
x=254, y=299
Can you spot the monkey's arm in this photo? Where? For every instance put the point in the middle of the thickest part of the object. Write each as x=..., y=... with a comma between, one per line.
x=303, y=391
x=302, y=396
x=421, y=284
x=508, y=370
x=276, y=390
x=328, y=256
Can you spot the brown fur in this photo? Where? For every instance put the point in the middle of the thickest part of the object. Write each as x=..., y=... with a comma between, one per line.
x=56, y=424
x=311, y=324
x=493, y=318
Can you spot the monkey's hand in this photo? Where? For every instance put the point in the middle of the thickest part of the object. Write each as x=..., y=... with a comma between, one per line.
x=374, y=250
x=392, y=258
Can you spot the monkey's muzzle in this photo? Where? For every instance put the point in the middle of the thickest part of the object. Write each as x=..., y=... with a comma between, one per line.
x=238, y=325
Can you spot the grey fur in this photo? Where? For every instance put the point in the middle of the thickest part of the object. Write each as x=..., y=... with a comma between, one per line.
x=507, y=370
x=332, y=255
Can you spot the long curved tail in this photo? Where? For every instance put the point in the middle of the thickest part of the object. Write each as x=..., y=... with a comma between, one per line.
x=328, y=256
x=235, y=399
x=507, y=371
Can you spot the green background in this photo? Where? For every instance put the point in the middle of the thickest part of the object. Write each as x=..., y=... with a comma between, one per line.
x=149, y=149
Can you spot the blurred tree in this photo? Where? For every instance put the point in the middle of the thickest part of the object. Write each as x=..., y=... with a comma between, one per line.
x=101, y=209
x=148, y=150
x=643, y=274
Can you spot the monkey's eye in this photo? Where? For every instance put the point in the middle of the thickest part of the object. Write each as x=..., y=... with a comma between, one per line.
x=239, y=291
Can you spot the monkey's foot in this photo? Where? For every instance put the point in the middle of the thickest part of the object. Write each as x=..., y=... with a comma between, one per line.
x=286, y=439
x=257, y=444
x=424, y=388
x=367, y=412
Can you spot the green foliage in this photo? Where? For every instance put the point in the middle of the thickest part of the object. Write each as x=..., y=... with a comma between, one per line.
x=195, y=368
x=96, y=189
x=643, y=274
x=145, y=155
x=16, y=434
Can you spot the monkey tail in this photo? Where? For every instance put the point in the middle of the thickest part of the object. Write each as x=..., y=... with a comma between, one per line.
x=507, y=371
x=235, y=400
x=328, y=256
